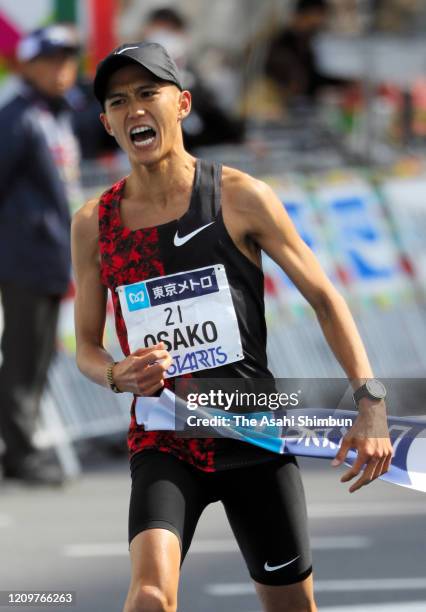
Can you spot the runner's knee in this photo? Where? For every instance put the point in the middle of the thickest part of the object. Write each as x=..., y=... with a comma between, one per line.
x=283, y=599
x=151, y=599
x=287, y=605
x=307, y=606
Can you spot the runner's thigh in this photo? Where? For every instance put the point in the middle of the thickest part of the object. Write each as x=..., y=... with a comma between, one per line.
x=166, y=494
x=266, y=508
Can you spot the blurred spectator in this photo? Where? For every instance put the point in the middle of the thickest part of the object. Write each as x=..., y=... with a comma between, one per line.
x=92, y=137
x=208, y=122
x=169, y=28
x=290, y=67
x=38, y=176
x=291, y=60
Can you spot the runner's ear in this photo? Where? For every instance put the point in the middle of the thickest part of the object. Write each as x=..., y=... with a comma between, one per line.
x=106, y=124
x=185, y=101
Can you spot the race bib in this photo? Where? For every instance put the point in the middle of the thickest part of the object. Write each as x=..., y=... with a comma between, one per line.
x=191, y=312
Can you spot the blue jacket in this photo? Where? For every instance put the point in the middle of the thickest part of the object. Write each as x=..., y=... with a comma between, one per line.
x=34, y=207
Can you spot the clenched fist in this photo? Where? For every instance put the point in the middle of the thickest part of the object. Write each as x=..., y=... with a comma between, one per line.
x=143, y=371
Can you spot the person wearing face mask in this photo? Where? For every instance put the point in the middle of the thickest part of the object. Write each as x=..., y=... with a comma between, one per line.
x=168, y=28
x=209, y=123
x=291, y=63
x=39, y=168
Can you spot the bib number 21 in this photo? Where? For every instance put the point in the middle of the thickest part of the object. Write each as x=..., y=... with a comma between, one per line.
x=171, y=316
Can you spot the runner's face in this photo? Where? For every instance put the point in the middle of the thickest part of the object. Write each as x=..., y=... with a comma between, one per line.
x=144, y=115
x=52, y=75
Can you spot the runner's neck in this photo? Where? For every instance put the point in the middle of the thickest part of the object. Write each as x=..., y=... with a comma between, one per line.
x=157, y=182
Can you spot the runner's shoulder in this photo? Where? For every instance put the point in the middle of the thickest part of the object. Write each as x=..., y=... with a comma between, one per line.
x=245, y=193
x=85, y=222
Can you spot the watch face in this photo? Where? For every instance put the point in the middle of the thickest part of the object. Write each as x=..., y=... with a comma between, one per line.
x=376, y=388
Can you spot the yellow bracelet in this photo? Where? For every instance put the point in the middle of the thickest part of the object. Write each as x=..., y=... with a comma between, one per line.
x=110, y=379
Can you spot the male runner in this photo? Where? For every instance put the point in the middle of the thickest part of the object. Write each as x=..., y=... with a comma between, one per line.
x=172, y=216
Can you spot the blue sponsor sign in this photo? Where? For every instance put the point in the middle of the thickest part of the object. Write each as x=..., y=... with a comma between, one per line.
x=361, y=237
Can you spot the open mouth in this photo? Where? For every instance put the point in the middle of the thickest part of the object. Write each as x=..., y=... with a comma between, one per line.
x=142, y=136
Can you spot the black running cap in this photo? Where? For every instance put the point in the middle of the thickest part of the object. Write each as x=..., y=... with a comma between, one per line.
x=151, y=56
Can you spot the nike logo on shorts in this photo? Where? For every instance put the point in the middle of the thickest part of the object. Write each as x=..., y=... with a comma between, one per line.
x=181, y=240
x=274, y=568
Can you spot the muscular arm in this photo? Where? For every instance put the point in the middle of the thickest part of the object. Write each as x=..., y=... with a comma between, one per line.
x=263, y=219
x=142, y=372
x=90, y=300
x=271, y=228
x=258, y=216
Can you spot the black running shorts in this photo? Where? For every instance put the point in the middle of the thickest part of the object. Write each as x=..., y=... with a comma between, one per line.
x=265, y=505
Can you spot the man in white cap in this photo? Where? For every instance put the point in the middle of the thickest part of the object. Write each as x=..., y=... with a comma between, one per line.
x=39, y=163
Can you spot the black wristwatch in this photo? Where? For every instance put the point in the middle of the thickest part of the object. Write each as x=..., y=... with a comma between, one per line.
x=373, y=388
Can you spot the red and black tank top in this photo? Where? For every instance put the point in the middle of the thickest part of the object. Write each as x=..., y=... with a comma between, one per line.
x=198, y=239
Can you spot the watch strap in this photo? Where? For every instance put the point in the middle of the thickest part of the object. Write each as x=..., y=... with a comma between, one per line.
x=360, y=393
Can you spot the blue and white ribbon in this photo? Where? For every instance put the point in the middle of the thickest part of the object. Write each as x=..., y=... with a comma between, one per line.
x=408, y=435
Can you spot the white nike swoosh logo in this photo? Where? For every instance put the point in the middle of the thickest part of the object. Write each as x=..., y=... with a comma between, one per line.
x=125, y=49
x=180, y=240
x=270, y=568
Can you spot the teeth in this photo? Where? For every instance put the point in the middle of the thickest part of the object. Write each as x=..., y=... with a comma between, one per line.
x=140, y=130
x=144, y=143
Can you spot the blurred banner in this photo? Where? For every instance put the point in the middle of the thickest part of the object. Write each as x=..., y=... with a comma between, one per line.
x=405, y=198
x=96, y=20
x=360, y=237
x=298, y=205
x=19, y=17
x=66, y=11
x=102, y=28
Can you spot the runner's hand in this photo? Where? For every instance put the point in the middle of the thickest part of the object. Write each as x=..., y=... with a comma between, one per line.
x=369, y=436
x=142, y=372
